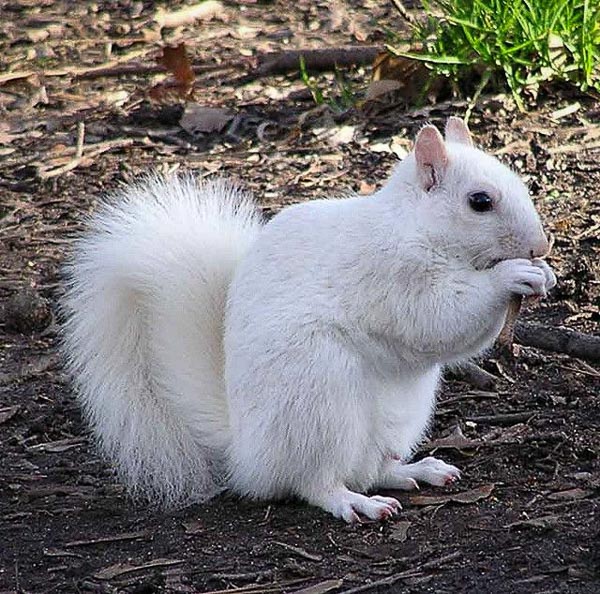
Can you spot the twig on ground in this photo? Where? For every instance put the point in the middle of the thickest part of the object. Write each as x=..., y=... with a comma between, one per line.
x=475, y=376
x=558, y=340
x=504, y=418
x=70, y=71
x=259, y=588
x=48, y=172
x=270, y=63
x=392, y=579
x=142, y=69
x=315, y=60
x=299, y=551
x=399, y=6
x=80, y=139
x=104, y=539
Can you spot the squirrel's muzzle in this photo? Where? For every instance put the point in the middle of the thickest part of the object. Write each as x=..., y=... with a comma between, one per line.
x=541, y=247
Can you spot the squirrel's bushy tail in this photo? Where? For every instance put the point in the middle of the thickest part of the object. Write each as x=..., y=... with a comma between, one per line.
x=143, y=333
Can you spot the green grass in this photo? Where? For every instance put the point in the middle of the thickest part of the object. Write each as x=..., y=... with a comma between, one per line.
x=519, y=44
x=345, y=97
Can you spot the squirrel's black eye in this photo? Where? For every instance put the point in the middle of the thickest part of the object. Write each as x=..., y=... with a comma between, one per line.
x=481, y=202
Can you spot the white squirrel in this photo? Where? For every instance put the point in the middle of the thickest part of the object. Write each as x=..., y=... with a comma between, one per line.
x=299, y=357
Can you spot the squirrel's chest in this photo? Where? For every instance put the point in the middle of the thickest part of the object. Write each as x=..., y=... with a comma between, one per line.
x=402, y=410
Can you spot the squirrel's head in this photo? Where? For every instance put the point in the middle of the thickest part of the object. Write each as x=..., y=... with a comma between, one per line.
x=475, y=205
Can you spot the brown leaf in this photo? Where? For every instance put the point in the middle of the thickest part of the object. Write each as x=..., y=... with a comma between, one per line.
x=175, y=60
x=410, y=79
x=472, y=496
x=456, y=440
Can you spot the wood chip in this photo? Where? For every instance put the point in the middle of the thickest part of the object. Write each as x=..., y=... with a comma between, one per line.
x=566, y=111
x=8, y=412
x=203, y=11
x=570, y=494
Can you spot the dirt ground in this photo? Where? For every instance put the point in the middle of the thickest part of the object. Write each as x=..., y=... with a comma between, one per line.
x=525, y=517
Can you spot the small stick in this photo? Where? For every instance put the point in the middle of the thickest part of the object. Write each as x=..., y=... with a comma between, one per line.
x=504, y=418
x=299, y=551
x=379, y=585
x=558, y=340
x=93, y=151
x=403, y=12
x=80, y=139
x=316, y=59
x=475, y=376
x=141, y=69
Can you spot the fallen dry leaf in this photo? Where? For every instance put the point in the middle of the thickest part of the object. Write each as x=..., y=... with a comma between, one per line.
x=193, y=527
x=472, y=496
x=456, y=440
x=541, y=522
x=410, y=79
x=175, y=60
x=399, y=532
x=198, y=119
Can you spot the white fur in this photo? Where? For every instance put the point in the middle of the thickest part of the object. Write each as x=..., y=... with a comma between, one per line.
x=340, y=316
x=145, y=303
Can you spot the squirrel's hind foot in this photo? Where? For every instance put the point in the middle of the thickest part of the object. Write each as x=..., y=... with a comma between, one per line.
x=350, y=506
x=428, y=470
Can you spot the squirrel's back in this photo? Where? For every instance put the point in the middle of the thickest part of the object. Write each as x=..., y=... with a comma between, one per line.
x=144, y=307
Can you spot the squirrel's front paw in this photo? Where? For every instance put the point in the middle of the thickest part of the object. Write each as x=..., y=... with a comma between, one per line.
x=524, y=277
x=548, y=272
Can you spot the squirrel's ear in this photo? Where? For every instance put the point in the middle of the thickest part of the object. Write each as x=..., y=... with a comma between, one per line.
x=431, y=157
x=457, y=131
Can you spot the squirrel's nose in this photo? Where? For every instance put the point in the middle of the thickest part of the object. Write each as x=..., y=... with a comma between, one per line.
x=541, y=247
